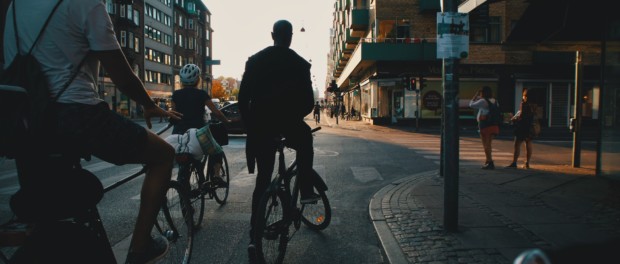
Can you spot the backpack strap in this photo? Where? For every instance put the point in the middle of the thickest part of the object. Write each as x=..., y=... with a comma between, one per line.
x=40, y=32
x=77, y=71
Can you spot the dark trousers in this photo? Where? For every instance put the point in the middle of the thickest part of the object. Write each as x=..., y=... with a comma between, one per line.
x=299, y=137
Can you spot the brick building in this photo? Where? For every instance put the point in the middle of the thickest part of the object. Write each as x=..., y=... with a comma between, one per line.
x=376, y=44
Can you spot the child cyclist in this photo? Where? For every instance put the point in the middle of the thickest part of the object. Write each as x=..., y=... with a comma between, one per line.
x=190, y=102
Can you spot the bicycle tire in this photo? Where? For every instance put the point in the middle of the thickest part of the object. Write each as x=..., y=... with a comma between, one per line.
x=220, y=192
x=197, y=194
x=315, y=216
x=174, y=223
x=271, y=235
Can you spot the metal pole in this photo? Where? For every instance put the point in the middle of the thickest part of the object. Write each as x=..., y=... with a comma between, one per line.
x=417, y=112
x=601, y=106
x=577, y=132
x=451, y=136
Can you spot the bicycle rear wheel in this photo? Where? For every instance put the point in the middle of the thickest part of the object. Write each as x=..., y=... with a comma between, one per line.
x=175, y=223
x=221, y=190
x=317, y=216
x=197, y=194
x=271, y=235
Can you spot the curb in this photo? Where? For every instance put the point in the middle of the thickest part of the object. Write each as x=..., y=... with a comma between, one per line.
x=389, y=244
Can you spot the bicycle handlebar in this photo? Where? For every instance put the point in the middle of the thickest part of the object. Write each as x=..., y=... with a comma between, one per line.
x=315, y=129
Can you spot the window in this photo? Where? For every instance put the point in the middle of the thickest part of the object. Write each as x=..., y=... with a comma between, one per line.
x=482, y=27
x=129, y=12
x=136, y=44
x=110, y=7
x=488, y=32
x=191, y=43
x=123, y=38
x=123, y=10
x=208, y=34
x=190, y=23
x=131, y=40
x=136, y=17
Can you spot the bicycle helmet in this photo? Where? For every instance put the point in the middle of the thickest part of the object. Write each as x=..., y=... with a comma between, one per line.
x=189, y=74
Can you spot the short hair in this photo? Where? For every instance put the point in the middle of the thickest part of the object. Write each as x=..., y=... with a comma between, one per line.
x=282, y=28
x=487, y=92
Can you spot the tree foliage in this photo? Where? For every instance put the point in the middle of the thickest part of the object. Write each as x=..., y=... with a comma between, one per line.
x=218, y=91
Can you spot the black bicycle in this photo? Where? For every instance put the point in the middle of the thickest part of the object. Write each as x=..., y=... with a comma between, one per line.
x=53, y=214
x=182, y=212
x=280, y=207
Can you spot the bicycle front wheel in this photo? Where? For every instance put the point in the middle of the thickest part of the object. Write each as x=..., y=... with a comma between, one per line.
x=271, y=234
x=174, y=222
x=220, y=191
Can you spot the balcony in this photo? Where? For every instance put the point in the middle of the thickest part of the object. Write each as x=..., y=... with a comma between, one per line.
x=359, y=19
x=351, y=41
x=405, y=49
x=370, y=51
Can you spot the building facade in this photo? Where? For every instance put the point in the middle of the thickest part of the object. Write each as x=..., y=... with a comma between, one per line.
x=158, y=37
x=378, y=44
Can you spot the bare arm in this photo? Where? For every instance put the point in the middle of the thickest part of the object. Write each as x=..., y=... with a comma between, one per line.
x=216, y=111
x=116, y=65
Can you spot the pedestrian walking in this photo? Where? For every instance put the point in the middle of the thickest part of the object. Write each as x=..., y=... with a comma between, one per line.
x=482, y=101
x=317, y=112
x=522, y=121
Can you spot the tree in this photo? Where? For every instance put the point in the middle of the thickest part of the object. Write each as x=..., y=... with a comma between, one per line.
x=218, y=91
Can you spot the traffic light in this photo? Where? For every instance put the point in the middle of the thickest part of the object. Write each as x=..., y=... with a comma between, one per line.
x=405, y=83
x=422, y=83
x=412, y=85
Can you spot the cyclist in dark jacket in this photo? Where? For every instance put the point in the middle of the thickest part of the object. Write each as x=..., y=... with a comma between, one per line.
x=277, y=78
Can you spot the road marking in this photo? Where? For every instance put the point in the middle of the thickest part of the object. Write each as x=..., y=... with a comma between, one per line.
x=366, y=174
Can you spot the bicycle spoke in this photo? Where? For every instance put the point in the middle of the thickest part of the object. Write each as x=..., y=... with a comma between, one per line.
x=221, y=187
x=273, y=233
x=175, y=223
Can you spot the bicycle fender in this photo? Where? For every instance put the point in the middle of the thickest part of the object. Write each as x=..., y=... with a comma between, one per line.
x=318, y=181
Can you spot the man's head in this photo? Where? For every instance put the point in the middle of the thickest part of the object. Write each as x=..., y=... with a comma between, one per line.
x=190, y=74
x=282, y=33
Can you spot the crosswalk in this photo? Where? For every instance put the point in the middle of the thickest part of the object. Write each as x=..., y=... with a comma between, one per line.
x=471, y=152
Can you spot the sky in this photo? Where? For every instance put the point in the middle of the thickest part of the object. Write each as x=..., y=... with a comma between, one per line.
x=243, y=27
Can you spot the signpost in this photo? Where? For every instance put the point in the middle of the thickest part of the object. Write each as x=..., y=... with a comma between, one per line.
x=452, y=44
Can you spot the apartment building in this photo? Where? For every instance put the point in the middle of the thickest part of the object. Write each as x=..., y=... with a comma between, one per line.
x=158, y=37
x=128, y=19
x=192, y=40
x=377, y=43
x=158, y=43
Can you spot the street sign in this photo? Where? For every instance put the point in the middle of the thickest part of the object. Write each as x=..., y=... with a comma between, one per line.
x=452, y=35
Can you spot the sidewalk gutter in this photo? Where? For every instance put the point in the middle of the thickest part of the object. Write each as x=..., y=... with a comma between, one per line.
x=379, y=201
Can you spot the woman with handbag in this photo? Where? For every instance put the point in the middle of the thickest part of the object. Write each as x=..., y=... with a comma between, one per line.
x=488, y=130
x=523, y=131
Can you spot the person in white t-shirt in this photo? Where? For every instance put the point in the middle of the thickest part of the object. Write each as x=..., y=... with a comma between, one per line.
x=85, y=124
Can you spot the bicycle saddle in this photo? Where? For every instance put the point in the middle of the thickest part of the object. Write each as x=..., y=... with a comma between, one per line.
x=63, y=193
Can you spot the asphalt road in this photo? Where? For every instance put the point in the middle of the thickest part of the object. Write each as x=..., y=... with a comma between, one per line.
x=354, y=163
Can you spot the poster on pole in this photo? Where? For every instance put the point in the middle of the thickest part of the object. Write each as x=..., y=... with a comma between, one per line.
x=452, y=35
